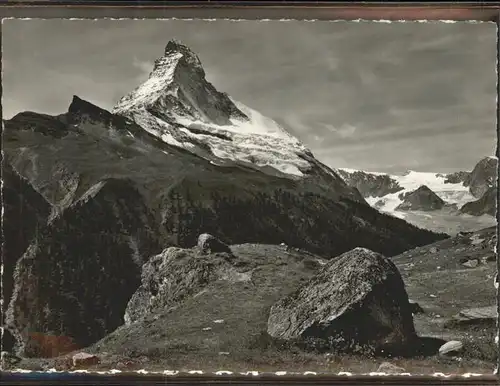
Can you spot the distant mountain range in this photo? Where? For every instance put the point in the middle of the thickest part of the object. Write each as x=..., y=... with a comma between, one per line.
x=470, y=192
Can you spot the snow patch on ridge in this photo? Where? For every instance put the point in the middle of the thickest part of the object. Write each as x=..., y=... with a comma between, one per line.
x=159, y=83
x=259, y=141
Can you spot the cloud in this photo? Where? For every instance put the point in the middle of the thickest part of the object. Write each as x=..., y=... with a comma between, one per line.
x=344, y=131
x=144, y=66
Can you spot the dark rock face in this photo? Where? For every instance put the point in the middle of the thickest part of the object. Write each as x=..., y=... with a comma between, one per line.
x=210, y=244
x=371, y=185
x=487, y=204
x=421, y=199
x=25, y=212
x=358, y=301
x=172, y=276
x=416, y=308
x=77, y=276
x=8, y=340
x=483, y=176
x=271, y=217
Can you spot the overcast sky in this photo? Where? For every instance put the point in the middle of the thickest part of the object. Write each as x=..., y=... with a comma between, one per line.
x=374, y=96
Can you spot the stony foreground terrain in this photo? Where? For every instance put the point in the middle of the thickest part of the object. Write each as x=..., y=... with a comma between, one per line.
x=211, y=311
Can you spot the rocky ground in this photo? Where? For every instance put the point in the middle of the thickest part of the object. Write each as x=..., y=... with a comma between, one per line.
x=450, y=276
x=222, y=323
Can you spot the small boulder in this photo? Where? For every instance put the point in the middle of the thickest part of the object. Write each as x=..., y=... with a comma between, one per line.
x=83, y=359
x=211, y=244
x=489, y=258
x=356, y=303
x=452, y=347
x=480, y=313
x=433, y=250
x=389, y=368
x=473, y=263
x=478, y=316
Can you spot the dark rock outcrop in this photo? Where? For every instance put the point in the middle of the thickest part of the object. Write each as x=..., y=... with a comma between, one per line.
x=487, y=204
x=77, y=276
x=8, y=340
x=458, y=178
x=422, y=198
x=483, y=176
x=25, y=212
x=416, y=308
x=174, y=275
x=357, y=302
x=370, y=185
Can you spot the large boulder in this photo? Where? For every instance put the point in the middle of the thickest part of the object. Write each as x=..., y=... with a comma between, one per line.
x=358, y=302
x=422, y=198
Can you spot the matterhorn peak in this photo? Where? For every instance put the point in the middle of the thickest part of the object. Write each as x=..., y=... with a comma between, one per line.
x=179, y=106
x=176, y=46
x=180, y=57
x=177, y=89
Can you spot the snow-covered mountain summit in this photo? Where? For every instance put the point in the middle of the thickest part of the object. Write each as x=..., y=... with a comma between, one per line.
x=177, y=104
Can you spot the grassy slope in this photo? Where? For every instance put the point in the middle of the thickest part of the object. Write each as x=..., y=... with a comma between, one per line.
x=176, y=339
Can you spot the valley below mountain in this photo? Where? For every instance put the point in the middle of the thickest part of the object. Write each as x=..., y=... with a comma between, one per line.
x=185, y=230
